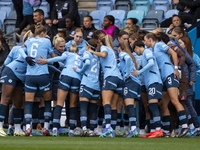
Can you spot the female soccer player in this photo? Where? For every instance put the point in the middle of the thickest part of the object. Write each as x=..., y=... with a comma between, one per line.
x=69, y=82
x=112, y=84
x=37, y=76
x=89, y=88
x=153, y=84
x=169, y=75
x=78, y=39
x=131, y=85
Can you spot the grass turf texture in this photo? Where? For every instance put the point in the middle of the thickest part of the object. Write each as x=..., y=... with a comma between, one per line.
x=95, y=143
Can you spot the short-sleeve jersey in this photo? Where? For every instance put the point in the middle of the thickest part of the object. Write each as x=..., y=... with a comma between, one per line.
x=163, y=60
x=37, y=48
x=109, y=63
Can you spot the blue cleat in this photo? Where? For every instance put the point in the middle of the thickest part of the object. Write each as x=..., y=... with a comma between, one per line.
x=55, y=133
x=71, y=134
x=107, y=131
x=131, y=134
x=63, y=131
x=10, y=131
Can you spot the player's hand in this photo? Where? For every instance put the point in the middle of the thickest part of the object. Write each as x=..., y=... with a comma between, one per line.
x=42, y=61
x=74, y=68
x=175, y=1
x=55, y=21
x=191, y=83
x=176, y=74
x=30, y=61
x=135, y=73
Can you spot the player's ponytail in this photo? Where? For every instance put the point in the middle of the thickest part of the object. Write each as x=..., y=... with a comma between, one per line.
x=27, y=35
x=73, y=48
x=39, y=28
x=57, y=40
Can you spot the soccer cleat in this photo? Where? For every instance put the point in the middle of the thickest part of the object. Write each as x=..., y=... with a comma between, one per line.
x=77, y=131
x=36, y=132
x=55, y=133
x=91, y=133
x=126, y=130
x=46, y=132
x=63, y=131
x=147, y=135
x=131, y=134
x=98, y=130
x=156, y=134
x=20, y=133
x=142, y=132
x=84, y=133
x=28, y=132
x=71, y=134
x=183, y=132
x=10, y=131
x=2, y=133
x=166, y=134
x=106, y=132
x=198, y=132
x=112, y=134
x=118, y=132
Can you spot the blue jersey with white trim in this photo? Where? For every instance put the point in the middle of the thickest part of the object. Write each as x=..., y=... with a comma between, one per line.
x=37, y=48
x=70, y=60
x=163, y=60
x=109, y=63
x=14, y=54
x=91, y=73
x=151, y=75
x=127, y=66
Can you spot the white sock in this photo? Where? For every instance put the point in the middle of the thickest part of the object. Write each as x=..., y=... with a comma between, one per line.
x=191, y=126
x=117, y=128
x=46, y=125
x=133, y=128
x=84, y=128
x=107, y=125
x=28, y=126
x=54, y=128
x=10, y=126
x=17, y=127
x=1, y=125
x=184, y=125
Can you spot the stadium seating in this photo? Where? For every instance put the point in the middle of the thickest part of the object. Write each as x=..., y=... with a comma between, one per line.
x=98, y=17
x=142, y=5
x=3, y=14
x=106, y=5
x=45, y=7
x=82, y=14
x=6, y=6
x=139, y=14
x=170, y=13
x=161, y=5
x=123, y=5
x=119, y=15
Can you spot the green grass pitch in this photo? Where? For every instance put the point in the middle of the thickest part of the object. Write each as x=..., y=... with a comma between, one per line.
x=95, y=143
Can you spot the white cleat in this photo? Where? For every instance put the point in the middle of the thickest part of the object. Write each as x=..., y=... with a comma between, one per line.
x=2, y=132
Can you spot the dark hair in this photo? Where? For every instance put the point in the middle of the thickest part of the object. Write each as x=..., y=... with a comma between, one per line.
x=40, y=11
x=92, y=43
x=110, y=18
x=121, y=33
x=164, y=37
x=138, y=43
x=188, y=44
x=88, y=16
x=96, y=33
x=133, y=20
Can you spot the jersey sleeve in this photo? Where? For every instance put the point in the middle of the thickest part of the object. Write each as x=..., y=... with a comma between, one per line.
x=162, y=46
x=148, y=54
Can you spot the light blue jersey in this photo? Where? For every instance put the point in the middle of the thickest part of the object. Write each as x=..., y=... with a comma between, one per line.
x=152, y=74
x=70, y=60
x=139, y=64
x=14, y=54
x=163, y=60
x=37, y=48
x=109, y=63
x=90, y=71
x=81, y=47
x=127, y=66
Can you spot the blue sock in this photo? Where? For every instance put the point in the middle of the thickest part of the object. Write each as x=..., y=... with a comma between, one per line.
x=3, y=110
x=17, y=115
x=119, y=117
x=166, y=123
x=11, y=118
x=107, y=113
x=35, y=119
x=114, y=118
x=182, y=117
x=56, y=116
x=100, y=115
x=41, y=116
x=72, y=118
x=153, y=107
x=126, y=120
x=28, y=107
x=83, y=113
x=131, y=115
x=47, y=111
x=93, y=115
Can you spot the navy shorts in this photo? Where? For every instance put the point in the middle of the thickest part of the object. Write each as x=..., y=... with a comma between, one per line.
x=131, y=89
x=68, y=83
x=8, y=77
x=170, y=82
x=89, y=93
x=113, y=83
x=40, y=83
x=155, y=91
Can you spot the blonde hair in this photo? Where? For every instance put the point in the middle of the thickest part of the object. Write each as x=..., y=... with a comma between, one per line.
x=39, y=28
x=73, y=48
x=26, y=36
x=57, y=40
x=107, y=41
x=124, y=46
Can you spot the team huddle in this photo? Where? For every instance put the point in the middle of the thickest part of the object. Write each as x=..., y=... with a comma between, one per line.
x=90, y=75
